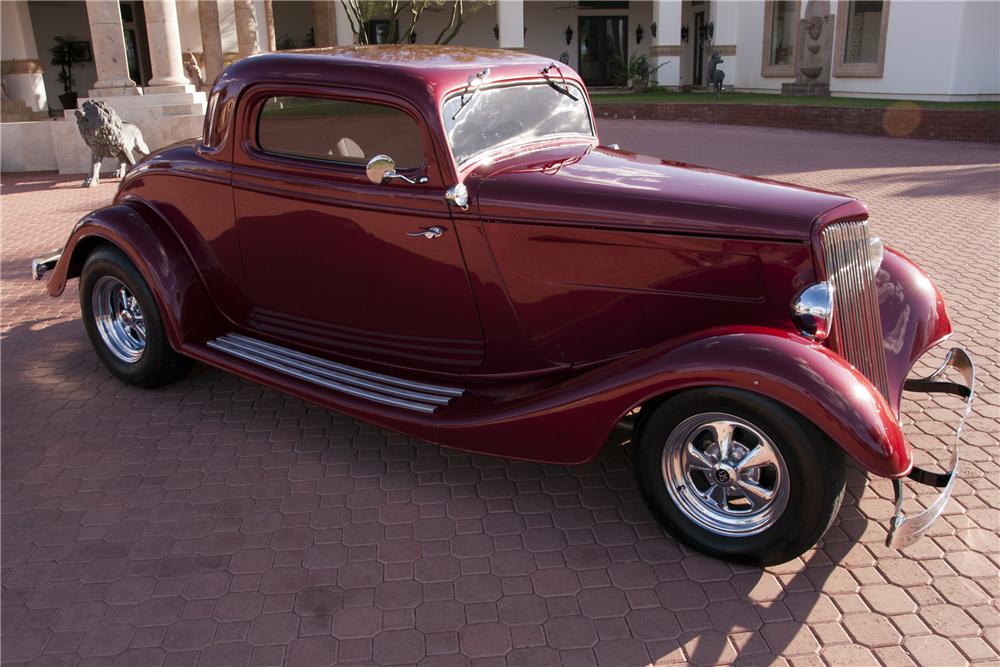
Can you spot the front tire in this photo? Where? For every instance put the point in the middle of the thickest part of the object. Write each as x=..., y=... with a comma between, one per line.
x=738, y=476
x=123, y=322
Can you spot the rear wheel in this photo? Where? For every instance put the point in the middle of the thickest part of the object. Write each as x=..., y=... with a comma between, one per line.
x=738, y=476
x=124, y=323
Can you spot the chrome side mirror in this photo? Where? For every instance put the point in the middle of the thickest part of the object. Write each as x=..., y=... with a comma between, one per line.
x=382, y=169
x=458, y=195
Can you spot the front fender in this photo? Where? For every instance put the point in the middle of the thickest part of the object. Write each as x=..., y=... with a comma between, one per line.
x=187, y=311
x=568, y=423
x=913, y=314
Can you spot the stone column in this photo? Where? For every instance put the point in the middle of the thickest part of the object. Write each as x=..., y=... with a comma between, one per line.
x=266, y=39
x=21, y=68
x=246, y=27
x=107, y=40
x=665, y=51
x=324, y=23
x=341, y=25
x=510, y=19
x=165, y=55
x=211, y=39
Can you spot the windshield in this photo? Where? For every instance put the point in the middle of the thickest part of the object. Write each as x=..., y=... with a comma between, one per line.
x=513, y=114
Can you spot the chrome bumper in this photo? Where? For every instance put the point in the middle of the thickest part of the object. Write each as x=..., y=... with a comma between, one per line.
x=44, y=263
x=905, y=530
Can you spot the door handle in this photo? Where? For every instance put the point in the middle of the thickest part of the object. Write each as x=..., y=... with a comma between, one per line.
x=428, y=232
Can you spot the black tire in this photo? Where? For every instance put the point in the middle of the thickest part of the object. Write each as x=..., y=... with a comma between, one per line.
x=815, y=476
x=158, y=363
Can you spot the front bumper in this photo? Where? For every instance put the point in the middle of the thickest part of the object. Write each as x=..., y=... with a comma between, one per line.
x=905, y=530
x=44, y=263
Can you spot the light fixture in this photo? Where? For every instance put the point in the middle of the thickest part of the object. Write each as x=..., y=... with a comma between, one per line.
x=638, y=34
x=652, y=29
x=569, y=35
x=812, y=310
x=684, y=34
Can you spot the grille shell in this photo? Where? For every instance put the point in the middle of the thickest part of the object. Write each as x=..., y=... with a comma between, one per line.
x=857, y=326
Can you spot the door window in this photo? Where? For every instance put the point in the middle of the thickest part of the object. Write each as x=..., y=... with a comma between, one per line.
x=339, y=131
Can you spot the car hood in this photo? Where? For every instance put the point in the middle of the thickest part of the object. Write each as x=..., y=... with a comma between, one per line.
x=588, y=185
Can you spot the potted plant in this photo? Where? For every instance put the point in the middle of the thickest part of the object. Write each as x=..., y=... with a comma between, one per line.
x=65, y=53
x=639, y=72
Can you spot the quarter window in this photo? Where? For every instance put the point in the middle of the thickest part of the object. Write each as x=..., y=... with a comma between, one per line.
x=339, y=131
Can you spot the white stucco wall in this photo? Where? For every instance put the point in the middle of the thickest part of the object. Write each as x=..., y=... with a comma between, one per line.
x=976, y=70
x=925, y=43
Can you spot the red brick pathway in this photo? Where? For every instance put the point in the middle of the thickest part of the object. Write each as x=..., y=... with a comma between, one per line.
x=216, y=522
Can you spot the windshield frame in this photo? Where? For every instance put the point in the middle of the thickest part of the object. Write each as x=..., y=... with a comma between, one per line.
x=489, y=154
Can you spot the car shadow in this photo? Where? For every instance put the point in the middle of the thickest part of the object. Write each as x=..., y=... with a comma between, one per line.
x=759, y=611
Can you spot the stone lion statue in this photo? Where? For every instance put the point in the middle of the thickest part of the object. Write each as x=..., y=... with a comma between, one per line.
x=108, y=135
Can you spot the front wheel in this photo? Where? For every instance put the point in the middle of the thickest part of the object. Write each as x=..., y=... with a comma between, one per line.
x=738, y=476
x=124, y=323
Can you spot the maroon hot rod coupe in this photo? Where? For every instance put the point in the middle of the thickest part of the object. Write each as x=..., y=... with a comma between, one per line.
x=434, y=240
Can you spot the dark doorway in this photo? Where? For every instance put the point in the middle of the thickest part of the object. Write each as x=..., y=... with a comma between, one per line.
x=699, y=48
x=136, y=43
x=603, y=48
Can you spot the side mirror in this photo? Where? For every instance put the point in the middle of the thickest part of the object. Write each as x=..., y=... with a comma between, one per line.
x=382, y=168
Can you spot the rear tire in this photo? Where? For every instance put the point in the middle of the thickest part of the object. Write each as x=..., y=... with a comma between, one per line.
x=764, y=508
x=124, y=322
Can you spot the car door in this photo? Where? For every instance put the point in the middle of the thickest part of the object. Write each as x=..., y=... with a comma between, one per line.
x=336, y=262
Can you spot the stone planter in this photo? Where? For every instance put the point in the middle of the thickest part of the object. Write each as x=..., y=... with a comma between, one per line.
x=68, y=100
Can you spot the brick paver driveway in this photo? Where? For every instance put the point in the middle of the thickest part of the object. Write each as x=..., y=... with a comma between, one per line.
x=217, y=522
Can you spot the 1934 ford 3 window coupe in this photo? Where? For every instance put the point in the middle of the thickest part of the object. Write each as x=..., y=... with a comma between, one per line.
x=435, y=241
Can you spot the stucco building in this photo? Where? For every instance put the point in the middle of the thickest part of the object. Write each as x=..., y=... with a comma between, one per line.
x=133, y=53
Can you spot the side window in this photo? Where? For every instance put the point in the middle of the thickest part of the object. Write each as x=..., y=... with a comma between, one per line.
x=338, y=131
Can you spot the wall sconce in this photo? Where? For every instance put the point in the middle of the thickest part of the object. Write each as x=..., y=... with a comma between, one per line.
x=638, y=34
x=496, y=32
x=569, y=35
x=652, y=30
x=684, y=34
x=413, y=38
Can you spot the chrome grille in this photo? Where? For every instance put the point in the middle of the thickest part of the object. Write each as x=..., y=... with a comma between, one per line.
x=857, y=327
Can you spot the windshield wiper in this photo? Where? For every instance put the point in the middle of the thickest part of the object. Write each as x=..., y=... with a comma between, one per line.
x=475, y=82
x=564, y=89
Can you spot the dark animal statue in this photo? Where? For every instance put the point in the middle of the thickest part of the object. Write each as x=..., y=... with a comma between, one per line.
x=108, y=135
x=715, y=76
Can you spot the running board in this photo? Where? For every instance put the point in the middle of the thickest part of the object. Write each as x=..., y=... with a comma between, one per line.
x=376, y=387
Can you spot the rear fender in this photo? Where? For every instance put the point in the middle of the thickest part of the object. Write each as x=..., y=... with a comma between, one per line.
x=187, y=311
x=568, y=423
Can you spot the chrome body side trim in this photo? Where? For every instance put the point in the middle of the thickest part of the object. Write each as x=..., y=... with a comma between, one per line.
x=44, y=263
x=857, y=325
x=377, y=387
x=905, y=530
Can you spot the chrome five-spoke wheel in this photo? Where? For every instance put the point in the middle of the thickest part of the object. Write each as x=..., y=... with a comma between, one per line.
x=725, y=474
x=119, y=319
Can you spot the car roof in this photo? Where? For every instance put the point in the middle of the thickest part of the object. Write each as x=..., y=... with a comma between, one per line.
x=420, y=73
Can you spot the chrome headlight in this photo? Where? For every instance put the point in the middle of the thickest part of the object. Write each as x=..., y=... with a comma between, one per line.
x=876, y=251
x=812, y=311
